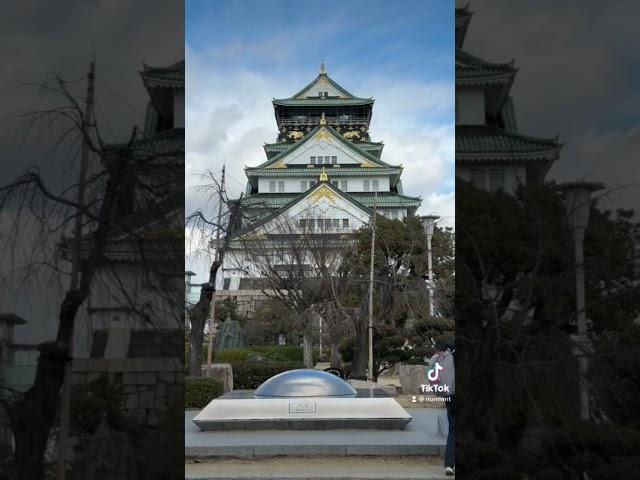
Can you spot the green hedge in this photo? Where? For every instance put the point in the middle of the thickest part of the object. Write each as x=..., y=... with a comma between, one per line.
x=199, y=391
x=250, y=375
x=269, y=353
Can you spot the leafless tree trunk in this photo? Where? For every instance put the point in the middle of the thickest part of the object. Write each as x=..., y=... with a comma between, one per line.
x=207, y=230
x=32, y=416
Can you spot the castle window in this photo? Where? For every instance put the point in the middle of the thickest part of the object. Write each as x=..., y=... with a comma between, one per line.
x=272, y=187
x=366, y=185
x=312, y=183
x=303, y=223
x=375, y=185
x=334, y=159
x=327, y=160
x=313, y=160
x=345, y=223
x=303, y=186
x=335, y=183
x=335, y=223
x=343, y=185
x=312, y=223
x=281, y=187
x=327, y=224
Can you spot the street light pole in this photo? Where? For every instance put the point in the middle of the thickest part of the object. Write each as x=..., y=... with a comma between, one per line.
x=373, y=247
x=429, y=222
x=578, y=203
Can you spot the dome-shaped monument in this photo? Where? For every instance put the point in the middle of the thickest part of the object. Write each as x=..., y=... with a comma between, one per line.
x=305, y=383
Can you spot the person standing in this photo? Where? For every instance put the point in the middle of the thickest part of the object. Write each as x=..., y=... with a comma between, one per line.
x=443, y=374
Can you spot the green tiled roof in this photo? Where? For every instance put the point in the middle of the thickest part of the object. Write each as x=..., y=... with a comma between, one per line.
x=331, y=82
x=162, y=147
x=352, y=145
x=384, y=200
x=314, y=172
x=374, y=148
x=472, y=70
x=321, y=102
x=486, y=142
x=168, y=77
x=272, y=149
x=277, y=147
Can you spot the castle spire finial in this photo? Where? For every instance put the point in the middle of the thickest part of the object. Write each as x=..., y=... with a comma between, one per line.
x=323, y=68
x=323, y=119
x=323, y=175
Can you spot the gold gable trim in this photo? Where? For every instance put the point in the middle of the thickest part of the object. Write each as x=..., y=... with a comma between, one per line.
x=323, y=134
x=324, y=192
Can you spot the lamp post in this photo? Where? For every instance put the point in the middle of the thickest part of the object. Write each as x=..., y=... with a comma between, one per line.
x=429, y=223
x=577, y=197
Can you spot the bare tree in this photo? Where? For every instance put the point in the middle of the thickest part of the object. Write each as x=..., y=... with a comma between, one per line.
x=295, y=259
x=115, y=189
x=210, y=229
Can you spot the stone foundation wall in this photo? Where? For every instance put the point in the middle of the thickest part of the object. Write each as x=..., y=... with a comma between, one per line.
x=149, y=385
x=151, y=399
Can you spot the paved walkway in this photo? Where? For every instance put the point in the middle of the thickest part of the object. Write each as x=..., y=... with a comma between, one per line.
x=319, y=468
x=420, y=438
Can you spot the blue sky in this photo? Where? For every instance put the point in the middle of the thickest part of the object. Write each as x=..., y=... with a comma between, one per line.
x=363, y=36
x=240, y=54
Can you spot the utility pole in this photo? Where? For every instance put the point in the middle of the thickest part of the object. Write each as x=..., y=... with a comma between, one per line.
x=373, y=247
x=212, y=318
x=65, y=405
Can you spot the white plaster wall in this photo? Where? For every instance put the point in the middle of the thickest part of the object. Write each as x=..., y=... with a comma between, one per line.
x=315, y=147
x=292, y=185
x=470, y=106
x=119, y=293
x=514, y=175
x=322, y=86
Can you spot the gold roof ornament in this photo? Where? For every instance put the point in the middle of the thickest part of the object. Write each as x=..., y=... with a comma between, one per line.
x=323, y=119
x=323, y=175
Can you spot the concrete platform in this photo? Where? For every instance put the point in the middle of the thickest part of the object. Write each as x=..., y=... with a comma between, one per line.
x=241, y=410
x=319, y=468
x=420, y=437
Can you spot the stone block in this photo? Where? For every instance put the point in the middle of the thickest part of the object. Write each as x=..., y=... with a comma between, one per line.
x=412, y=377
x=152, y=419
x=147, y=399
x=131, y=401
x=161, y=404
x=145, y=379
x=222, y=372
x=161, y=389
x=175, y=392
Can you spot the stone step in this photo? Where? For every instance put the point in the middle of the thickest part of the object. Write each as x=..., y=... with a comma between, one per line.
x=318, y=468
x=420, y=438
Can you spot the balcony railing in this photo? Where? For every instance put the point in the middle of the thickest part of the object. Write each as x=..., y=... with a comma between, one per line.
x=333, y=121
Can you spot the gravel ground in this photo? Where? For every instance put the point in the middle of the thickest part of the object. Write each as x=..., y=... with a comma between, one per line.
x=317, y=468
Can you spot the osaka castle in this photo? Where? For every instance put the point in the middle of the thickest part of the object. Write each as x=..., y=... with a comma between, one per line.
x=491, y=152
x=324, y=175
